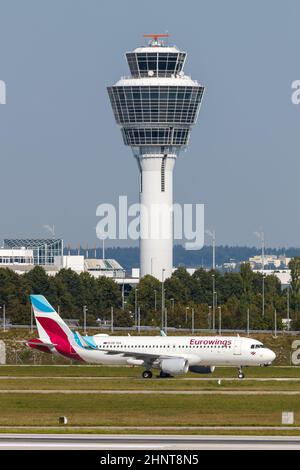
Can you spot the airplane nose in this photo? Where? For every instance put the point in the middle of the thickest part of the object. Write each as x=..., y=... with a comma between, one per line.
x=271, y=355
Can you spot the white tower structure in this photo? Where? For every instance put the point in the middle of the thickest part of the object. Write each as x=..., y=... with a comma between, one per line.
x=156, y=107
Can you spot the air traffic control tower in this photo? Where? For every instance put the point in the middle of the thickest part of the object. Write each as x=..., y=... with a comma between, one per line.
x=156, y=107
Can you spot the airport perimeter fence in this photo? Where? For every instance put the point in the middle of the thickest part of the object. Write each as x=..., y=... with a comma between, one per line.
x=172, y=330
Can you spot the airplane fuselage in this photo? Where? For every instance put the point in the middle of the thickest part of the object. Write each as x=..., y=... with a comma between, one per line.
x=173, y=355
x=204, y=350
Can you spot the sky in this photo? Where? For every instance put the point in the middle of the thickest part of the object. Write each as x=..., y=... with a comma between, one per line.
x=62, y=154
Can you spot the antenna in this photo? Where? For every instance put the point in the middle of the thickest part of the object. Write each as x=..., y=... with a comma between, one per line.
x=155, y=38
x=51, y=229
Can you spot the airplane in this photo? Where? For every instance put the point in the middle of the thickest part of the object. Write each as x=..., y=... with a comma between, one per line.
x=171, y=355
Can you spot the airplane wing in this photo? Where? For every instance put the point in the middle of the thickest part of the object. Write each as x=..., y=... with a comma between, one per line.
x=148, y=358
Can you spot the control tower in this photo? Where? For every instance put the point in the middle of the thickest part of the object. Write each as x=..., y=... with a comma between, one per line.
x=156, y=107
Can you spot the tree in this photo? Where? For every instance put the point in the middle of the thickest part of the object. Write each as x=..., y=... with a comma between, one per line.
x=38, y=280
x=175, y=290
x=294, y=266
x=247, y=279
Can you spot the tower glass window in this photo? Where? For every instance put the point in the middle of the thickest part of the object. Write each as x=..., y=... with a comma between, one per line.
x=159, y=64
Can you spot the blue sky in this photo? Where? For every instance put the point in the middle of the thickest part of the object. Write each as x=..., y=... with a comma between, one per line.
x=61, y=153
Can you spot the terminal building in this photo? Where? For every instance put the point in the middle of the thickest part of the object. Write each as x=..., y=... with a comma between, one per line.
x=42, y=251
x=269, y=262
x=22, y=255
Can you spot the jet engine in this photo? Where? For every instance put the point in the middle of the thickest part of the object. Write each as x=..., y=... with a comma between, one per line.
x=176, y=366
x=202, y=369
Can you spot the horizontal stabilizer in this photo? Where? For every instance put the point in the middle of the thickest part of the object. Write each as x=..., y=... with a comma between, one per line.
x=41, y=343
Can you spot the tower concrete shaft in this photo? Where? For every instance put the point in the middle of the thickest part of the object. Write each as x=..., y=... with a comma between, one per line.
x=156, y=217
x=156, y=108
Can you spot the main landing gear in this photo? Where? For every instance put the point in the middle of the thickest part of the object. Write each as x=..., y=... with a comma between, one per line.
x=164, y=375
x=147, y=374
x=241, y=373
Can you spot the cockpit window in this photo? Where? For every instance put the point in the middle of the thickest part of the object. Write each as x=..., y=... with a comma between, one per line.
x=256, y=346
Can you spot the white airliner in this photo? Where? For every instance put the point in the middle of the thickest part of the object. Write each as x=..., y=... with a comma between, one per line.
x=172, y=355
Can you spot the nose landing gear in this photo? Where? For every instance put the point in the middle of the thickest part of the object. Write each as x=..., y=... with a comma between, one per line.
x=241, y=373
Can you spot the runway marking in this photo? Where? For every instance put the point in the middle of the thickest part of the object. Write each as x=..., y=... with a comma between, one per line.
x=151, y=392
x=153, y=442
x=154, y=428
x=204, y=379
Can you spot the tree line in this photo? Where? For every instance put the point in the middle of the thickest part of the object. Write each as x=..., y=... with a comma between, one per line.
x=186, y=298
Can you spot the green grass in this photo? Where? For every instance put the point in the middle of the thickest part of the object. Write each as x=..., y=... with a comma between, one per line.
x=136, y=409
x=145, y=410
x=132, y=383
x=116, y=371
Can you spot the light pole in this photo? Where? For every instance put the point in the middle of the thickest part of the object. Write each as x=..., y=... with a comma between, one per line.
x=139, y=320
x=135, y=306
x=209, y=317
x=186, y=309
x=31, y=319
x=166, y=320
x=212, y=234
x=213, y=301
x=216, y=305
x=193, y=320
x=155, y=300
x=162, y=298
x=263, y=295
x=261, y=237
x=275, y=323
x=84, y=318
x=288, y=307
x=220, y=320
x=248, y=321
x=112, y=319
x=4, y=319
x=123, y=293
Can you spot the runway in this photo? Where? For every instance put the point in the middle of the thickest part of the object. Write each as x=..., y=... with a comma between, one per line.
x=146, y=442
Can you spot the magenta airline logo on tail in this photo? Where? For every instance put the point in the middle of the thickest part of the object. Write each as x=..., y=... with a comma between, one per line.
x=50, y=323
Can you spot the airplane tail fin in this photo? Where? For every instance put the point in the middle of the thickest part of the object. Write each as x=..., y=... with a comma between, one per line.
x=49, y=323
x=53, y=331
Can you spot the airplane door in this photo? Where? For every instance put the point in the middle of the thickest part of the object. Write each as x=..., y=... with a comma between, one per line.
x=237, y=346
